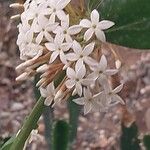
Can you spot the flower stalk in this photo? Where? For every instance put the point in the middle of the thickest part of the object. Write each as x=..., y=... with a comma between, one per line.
x=29, y=124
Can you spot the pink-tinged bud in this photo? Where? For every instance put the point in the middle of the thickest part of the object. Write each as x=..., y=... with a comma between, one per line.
x=24, y=65
x=118, y=64
x=40, y=82
x=15, y=17
x=22, y=77
x=58, y=95
x=42, y=68
x=16, y=5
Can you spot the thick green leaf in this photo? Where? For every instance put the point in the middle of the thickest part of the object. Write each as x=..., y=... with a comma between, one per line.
x=8, y=144
x=132, y=21
x=60, y=135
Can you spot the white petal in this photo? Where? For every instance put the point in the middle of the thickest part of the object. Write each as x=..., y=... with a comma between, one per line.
x=66, y=46
x=63, y=57
x=103, y=63
x=118, y=88
x=71, y=73
x=90, y=61
x=77, y=47
x=50, y=46
x=59, y=38
x=70, y=84
x=54, y=56
x=88, y=34
x=65, y=23
x=80, y=70
x=62, y=4
x=88, y=49
x=79, y=101
x=87, y=107
x=48, y=101
x=87, y=93
x=95, y=17
x=43, y=92
x=61, y=15
x=42, y=21
x=68, y=38
x=93, y=76
x=72, y=57
x=51, y=88
x=46, y=11
x=51, y=27
x=100, y=35
x=85, y=23
x=105, y=24
x=52, y=18
x=39, y=38
x=87, y=82
x=111, y=72
x=74, y=29
x=48, y=36
x=78, y=87
x=29, y=35
x=116, y=98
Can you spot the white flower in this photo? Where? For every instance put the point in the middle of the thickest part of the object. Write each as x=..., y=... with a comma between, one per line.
x=25, y=34
x=33, y=10
x=57, y=7
x=30, y=50
x=81, y=55
x=48, y=93
x=89, y=101
x=76, y=78
x=94, y=26
x=101, y=71
x=68, y=31
x=58, y=48
x=110, y=96
x=43, y=28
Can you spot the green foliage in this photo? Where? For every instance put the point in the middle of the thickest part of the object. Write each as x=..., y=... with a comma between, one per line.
x=74, y=112
x=60, y=135
x=132, y=21
x=47, y=114
x=129, y=138
x=146, y=141
x=6, y=143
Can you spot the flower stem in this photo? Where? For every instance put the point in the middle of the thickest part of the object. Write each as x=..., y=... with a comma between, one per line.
x=29, y=124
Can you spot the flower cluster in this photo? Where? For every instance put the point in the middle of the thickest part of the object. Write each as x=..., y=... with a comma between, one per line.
x=52, y=45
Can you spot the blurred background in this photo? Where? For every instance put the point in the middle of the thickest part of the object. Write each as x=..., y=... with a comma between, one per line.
x=96, y=131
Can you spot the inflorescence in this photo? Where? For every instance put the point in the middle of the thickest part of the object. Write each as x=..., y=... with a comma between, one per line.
x=50, y=44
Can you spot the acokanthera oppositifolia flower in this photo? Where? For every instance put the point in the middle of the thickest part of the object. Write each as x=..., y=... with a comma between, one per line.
x=62, y=48
x=95, y=27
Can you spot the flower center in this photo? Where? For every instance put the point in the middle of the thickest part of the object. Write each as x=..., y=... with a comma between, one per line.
x=77, y=80
x=65, y=31
x=94, y=26
x=54, y=10
x=81, y=56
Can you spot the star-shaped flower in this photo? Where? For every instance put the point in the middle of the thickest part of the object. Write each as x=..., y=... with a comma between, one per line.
x=77, y=78
x=43, y=28
x=89, y=101
x=48, y=93
x=81, y=55
x=68, y=31
x=110, y=96
x=32, y=10
x=100, y=70
x=56, y=9
x=95, y=27
x=58, y=48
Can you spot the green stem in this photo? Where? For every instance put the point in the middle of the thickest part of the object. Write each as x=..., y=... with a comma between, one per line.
x=29, y=125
